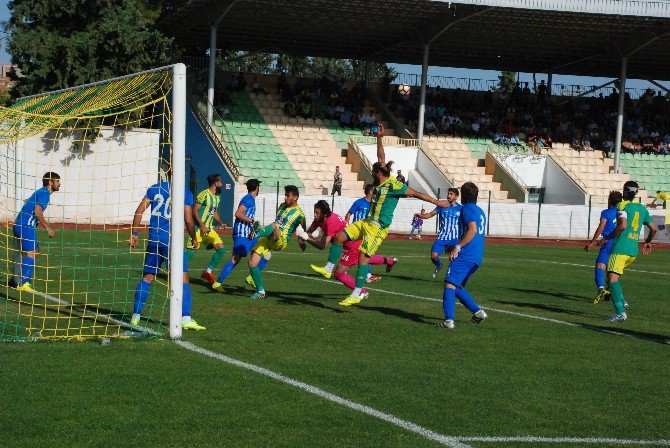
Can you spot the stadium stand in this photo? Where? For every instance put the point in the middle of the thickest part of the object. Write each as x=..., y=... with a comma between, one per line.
x=651, y=171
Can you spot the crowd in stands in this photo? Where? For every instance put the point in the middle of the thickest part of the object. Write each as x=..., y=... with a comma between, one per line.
x=522, y=116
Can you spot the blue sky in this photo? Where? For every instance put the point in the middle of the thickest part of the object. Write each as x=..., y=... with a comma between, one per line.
x=438, y=71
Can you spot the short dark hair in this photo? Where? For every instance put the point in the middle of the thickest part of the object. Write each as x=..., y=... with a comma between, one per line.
x=469, y=193
x=252, y=184
x=368, y=188
x=453, y=190
x=48, y=177
x=614, y=198
x=630, y=190
x=324, y=207
x=292, y=189
x=213, y=178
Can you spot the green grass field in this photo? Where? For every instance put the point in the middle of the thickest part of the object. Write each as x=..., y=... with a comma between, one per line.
x=545, y=363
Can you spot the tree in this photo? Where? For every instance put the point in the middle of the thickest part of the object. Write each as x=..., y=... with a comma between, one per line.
x=506, y=82
x=63, y=43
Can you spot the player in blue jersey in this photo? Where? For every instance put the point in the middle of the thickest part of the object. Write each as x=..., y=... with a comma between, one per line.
x=605, y=228
x=244, y=228
x=466, y=257
x=158, y=247
x=447, y=227
x=25, y=227
x=359, y=209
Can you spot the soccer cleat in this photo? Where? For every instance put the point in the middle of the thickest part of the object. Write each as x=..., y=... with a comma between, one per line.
x=208, y=277
x=26, y=287
x=446, y=324
x=418, y=237
x=320, y=270
x=257, y=295
x=192, y=325
x=479, y=316
x=625, y=306
x=602, y=292
x=216, y=286
x=135, y=320
x=618, y=317
x=351, y=300
x=390, y=266
x=437, y=269
x=373, y=278
x=250, y=281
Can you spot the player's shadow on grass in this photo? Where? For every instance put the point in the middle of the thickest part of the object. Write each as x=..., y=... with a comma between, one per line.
x=557, y=294
x=294, y=298
x=652, y=337
x=410, y=278
x=539, y=306
x=401, y=313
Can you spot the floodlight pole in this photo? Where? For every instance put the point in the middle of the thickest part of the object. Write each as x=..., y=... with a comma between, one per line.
x=619, y=118
x=211, y=74
x=422, y=104
x=178, y=188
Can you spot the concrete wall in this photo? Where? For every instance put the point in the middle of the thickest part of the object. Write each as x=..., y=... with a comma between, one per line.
x=559, y=187
x=515, y=191
x=102, y=182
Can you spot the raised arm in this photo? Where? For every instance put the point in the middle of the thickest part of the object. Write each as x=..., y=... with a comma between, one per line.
x=40, y=218
x=426, y=215
x=424, y=197
x=381, y=154
x=137, y=219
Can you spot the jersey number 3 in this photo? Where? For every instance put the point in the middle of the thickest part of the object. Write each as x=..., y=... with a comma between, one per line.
x=482, y=225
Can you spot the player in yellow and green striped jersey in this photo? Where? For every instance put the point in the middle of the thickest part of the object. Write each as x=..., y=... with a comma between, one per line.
x=374, y=228
x=205, y=212
x=274, y=237
x=631, y=216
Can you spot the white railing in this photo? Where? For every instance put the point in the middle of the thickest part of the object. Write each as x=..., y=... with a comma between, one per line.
x=501, y=163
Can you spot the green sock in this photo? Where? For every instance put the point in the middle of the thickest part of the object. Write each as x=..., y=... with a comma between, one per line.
x=258, y=278
x=335, y=253
x=188, y=254
x=265, y=231
x=616, y=290
x=361, y=275
x=217, y=256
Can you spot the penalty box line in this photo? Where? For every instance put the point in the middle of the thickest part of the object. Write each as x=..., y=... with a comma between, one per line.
x=404, y=424
x=497, y=310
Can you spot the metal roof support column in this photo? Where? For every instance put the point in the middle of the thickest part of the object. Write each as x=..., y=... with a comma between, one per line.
x=619, y=118
x=367, y=73
x=659, y=85
x=422, y=104
x=549, y=83
x=212, y=74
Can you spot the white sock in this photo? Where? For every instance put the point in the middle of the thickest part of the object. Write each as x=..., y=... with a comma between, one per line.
x=369, y=275
x=185, y=319
x=135, y=315
x=209, y=271
x=261, y=291
x=357, y=292
x=329, y=267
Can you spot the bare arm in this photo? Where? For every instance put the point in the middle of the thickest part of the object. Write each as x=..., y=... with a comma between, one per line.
x=621, y=224
x=442, y=203
x=190, y=226
x=239, y=214
x=381, y=154
x=320, y=244
x=201, y=225
x=646, y=247
x=137, y=219
x=217, y=218
x=347, y=216
x=467, y=237
x=596, y=234
x=426, y=215
x=40, y=218
x=424, y=197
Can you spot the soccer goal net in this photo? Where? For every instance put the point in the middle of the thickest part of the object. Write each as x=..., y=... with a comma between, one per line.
x=74, y=166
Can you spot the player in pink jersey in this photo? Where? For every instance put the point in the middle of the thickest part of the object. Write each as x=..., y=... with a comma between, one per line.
x=330, y=224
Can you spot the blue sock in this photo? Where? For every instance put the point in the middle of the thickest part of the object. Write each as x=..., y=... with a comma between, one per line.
x=467, y=300
x=600, y=278
x=449, y=303
x=186, y=300
x=436, y=261
x=225, y=272
x=27, y=269
x=262, y=264
x=369, y=270
x=141, y=294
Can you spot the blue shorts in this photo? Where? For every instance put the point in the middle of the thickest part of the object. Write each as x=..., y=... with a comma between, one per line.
x=243, y=245
x=439, y=246
x=27, y=237
x=155, y=256
x=604, y=254
x=459, y=272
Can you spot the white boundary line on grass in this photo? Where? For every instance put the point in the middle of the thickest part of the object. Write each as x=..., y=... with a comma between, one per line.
x=409, y=426
x=497, y=310
x=535, y=439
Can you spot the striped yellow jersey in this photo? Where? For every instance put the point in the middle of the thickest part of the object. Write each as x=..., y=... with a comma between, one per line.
x=288, y=219
x=384, y=201
x=209, y=205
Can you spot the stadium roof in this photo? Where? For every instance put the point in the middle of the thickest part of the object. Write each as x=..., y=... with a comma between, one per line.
x=578, y=37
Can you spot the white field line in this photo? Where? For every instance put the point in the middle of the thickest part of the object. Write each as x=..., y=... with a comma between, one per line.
x=591, y=440
x=497, y=310
x=409, y=426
